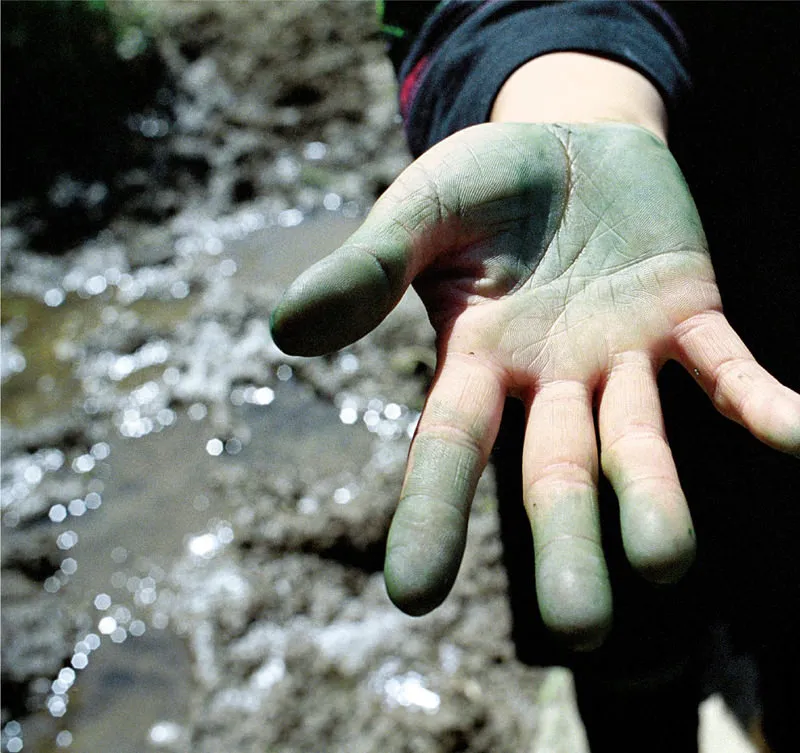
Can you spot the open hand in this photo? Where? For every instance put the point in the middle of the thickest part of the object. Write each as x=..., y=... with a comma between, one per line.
x=563, y=265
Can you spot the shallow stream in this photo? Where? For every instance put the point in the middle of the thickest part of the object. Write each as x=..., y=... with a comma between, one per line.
x=151, y=500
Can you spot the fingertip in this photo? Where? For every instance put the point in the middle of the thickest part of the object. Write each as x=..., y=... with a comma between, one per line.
x=658, y=536
x=423, y=554
x=582, y=624
x=412, y=590
x=782, y=427
x=660, y=569
x=334, y=303
x=575, y=598
x=588, y=640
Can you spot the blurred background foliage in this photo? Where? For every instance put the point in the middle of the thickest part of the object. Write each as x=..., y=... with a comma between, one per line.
x=72, y=72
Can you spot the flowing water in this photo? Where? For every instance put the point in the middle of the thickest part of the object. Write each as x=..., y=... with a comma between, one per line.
x=150, y=502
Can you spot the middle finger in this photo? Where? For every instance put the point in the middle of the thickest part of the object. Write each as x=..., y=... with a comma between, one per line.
x=560, y=482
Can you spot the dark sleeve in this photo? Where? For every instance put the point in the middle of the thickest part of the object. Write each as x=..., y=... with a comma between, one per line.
x=453, y=57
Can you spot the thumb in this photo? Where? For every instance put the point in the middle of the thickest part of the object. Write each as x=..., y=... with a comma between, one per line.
x=348, y=293
x=459, y=192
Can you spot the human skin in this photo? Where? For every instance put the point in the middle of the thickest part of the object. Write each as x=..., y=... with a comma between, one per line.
x=562, y=261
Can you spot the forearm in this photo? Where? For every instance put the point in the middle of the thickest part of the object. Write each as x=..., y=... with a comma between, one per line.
x=574, y=87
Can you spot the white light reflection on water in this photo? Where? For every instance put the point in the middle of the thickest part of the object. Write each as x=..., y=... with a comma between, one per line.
x=95, y=285
x=342, y=495
x=64, y=739
x=214, y=447
x=233, y=446
x=348, y=363
x=252, y=395
x=259, y=395
x=290, y=217
x=57, y=705
x=33, y=475
x=332, y=202
x=409, y=691
x=164, y=734
x=11, y=360
x=76, y=507
x=393, y=411
x=179, y=289
x=83, y=463
x=208, y=545
x=150, y=354
x=107, y=625
x=100, y=450
x=389, y=421
x=315, y=150
x=197, y=411
x=371, y=418
x=262, y=396
x=102, y=602
x=64, y=681
x=67, y=540
x=137, y=628
x=58, y=513
x=307, y=505
x=269, y=674
x=404, y=689
x=227, y=267
x=54, y=297
x=119, y=635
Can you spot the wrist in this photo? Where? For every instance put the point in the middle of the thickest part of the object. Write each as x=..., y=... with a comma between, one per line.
x=575, y=87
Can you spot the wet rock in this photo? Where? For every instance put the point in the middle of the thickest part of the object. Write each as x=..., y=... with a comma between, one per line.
x=344, y=518
x=35, y=503
x=316, y=651
x=37, y=638
x=228, y=69
x=146, y=245
x=212, y=359
x=35, y=554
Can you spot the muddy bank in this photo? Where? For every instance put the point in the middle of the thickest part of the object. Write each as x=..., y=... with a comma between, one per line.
x=281, y=105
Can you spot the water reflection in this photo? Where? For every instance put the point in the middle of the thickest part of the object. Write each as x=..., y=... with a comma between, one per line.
x=404, y=689
x=135, y=490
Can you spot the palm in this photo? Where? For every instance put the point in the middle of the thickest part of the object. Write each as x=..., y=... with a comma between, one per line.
x=563, y=266
x=620, y=260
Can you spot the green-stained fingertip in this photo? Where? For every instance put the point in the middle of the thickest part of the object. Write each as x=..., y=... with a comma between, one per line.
x=332, y=304
x=659, y=539
x=413, y=590
x=423, y=553
x=574, y=594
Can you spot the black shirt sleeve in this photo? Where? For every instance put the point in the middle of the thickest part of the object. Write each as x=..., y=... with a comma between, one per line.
x=453, y=58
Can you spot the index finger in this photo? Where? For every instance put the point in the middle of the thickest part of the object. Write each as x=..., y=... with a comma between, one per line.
x=456, y=432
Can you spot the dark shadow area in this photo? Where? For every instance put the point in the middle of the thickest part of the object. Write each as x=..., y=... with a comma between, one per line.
x=79, y=92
